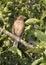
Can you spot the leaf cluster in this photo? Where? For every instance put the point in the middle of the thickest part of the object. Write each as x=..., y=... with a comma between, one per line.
x=34, y=32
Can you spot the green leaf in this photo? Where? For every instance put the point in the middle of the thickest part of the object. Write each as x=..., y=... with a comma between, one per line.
x=15, y=50
x=32, y=20
x=1, y=50
x=1, y=14
x=5, y=9
x=40, y=35
x=43, y=15
x=43, y=64
x=27, y=28
x=3, y=36
x=44, y=2
x=37, y=61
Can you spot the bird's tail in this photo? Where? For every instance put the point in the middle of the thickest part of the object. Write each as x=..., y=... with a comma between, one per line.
x=15, y=43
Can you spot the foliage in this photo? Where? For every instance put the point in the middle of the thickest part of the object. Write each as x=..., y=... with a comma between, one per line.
x=34, y=33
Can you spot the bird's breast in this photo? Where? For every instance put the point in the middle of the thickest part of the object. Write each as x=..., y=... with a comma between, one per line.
x=19, y=26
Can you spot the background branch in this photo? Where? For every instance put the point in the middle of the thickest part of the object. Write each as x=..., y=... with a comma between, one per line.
x=17, y=38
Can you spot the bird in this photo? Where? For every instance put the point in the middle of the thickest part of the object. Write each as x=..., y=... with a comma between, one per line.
x=18, y=28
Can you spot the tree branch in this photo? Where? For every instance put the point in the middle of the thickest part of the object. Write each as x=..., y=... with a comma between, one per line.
x=17, y=38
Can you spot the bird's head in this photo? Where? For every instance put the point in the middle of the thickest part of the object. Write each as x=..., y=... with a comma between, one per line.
x=21, y=17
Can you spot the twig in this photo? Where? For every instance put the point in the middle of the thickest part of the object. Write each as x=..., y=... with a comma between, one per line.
x=17, y=38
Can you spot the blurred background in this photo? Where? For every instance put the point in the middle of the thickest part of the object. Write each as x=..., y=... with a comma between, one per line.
x=34, y=32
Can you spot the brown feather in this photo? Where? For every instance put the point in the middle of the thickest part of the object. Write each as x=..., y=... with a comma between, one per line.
x=18, y=28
